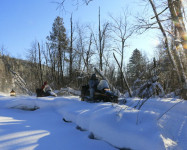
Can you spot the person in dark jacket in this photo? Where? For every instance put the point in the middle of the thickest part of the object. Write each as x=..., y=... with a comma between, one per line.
x=46, y=90
x=93, y=82
x=44, y=85
x=41, y=91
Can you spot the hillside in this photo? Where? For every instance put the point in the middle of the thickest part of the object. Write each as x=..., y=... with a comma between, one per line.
x=27, y=71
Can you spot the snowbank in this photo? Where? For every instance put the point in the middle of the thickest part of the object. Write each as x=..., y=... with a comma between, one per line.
x=115, y=125
x=68, y=91
x=159, y=124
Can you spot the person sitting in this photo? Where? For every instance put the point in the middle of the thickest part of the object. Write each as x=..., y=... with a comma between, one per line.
x=44, y=85
x=93, y=82
x=45, y=90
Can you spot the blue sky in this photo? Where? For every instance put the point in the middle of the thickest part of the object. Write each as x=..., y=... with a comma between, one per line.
x=24, y=21
x=21, y=22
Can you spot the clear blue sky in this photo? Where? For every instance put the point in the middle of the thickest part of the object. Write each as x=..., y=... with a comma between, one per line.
x=24, y=21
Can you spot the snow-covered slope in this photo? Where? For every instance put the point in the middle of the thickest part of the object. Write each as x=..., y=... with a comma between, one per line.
x=159, y=124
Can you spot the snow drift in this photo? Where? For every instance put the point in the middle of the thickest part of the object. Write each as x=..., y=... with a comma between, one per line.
x=159, y=124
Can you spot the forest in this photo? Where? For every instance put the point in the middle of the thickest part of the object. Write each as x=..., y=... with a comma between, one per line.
x=93, y=85
x=68, y=59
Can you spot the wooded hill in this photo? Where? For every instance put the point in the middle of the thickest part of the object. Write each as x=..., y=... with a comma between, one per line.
x=32, y=76
x=23, y=68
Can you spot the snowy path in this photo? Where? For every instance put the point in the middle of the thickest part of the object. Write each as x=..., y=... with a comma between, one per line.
x=43, y=130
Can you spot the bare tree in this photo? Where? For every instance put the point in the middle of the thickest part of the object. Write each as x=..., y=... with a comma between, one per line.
x=80, y=45
x=89, y=53
x=52, y=62
x=84, y=47
x=100, y=41
x=123, y=31
x=33, y=57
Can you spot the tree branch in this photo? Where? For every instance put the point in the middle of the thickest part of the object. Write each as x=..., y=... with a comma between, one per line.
x=160, y=12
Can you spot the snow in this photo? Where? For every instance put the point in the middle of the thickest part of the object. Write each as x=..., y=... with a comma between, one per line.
x=159, y=124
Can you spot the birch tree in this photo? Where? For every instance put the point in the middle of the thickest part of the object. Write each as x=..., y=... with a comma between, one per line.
x=177, y=15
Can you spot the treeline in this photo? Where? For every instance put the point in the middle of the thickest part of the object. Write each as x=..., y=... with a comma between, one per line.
x=69, y=58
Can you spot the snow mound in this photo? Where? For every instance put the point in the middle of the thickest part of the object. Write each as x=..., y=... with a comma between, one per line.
x=159, y=124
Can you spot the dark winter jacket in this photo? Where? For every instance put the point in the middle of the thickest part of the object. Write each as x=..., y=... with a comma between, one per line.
x=93, y=82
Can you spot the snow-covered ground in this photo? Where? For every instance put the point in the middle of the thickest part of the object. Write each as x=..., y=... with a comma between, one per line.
x=160, y=124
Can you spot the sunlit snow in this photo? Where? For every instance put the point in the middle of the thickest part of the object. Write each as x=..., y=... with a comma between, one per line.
x=68, y=123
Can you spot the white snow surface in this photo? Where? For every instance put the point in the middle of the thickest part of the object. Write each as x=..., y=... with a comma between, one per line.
x=160, y=124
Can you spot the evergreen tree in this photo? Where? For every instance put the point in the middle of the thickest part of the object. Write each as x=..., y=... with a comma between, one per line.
x=136, y=66
x=58, y=43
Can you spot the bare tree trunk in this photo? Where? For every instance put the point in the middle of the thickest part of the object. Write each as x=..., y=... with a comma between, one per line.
x=88, y=53
x=166, y=42
x=123, y=31
x=53, y=63
x=124, y=77
x=59, y=55
x=175, y=8
x=40, y=64
x=100, y=43
x=62, y=67
x=71, y=50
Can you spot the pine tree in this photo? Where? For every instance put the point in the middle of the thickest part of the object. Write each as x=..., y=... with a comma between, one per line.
x=58, y=45
x=136, y=66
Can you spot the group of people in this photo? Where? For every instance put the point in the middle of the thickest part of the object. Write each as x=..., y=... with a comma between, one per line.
x=45, y=90
x=94, y=85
